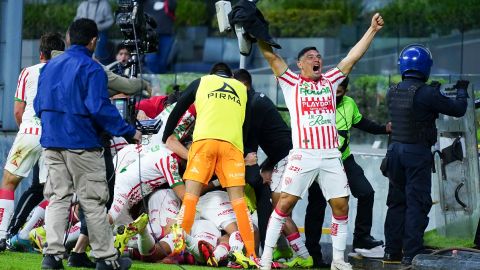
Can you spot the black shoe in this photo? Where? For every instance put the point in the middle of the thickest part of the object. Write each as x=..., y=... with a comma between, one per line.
x=52, y=262
x=407, y=261
x=318, y=262
x=80, y=260
x=392, y=257
x=3, y=244
x=122, y=263
x=366, y=242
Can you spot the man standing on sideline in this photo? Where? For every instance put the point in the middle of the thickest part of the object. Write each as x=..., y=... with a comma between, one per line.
x=310, y=98
x=413, y=107
x=348, y=116
x=74, y=107
x=101, y=12
x=26, y=148
x=220, y=102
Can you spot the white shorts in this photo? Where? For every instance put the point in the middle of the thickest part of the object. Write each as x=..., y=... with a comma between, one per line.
x=163, y=207
x=205, y=230
x=215, y=206
x=25, y=152
x=278, y=171
x=308, y=165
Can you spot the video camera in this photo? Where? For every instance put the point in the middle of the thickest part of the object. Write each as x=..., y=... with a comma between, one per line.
x=139, y=36
x=138, y=31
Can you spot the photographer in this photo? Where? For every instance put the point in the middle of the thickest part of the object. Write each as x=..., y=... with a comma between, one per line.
x=73, y=105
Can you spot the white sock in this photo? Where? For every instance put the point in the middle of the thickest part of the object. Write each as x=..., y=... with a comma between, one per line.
x=6, y=210
x=235, y=242
x=146, y=243
x=221, y=251
x=298, y=245
x=37, y=219
x=168, y=239
x=274, y=228
x=339, y=232
x=192, y=245
x=73, y=234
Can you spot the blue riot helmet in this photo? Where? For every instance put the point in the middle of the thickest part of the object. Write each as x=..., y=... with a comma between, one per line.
x=415, y=60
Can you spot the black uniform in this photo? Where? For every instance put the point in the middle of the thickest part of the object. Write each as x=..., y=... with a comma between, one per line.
x=267, y=130
x=413, y=107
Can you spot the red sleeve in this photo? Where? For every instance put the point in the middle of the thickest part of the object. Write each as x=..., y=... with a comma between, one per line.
x=152, y=106
x=192, y=110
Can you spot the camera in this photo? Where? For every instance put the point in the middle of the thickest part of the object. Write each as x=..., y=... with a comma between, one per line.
x=139, y=37
x=136, y=26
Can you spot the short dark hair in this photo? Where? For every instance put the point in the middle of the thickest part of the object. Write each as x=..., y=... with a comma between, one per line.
x=221, y=68
x=243, y=75
x=82, y=31
x=120, y=47
x=304, y=50
x=344, y=83
x=51, y=41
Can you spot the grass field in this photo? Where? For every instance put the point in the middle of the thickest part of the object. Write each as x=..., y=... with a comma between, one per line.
x=29, y=261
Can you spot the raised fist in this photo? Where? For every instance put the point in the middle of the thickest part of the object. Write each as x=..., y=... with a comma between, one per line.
x=377, y=22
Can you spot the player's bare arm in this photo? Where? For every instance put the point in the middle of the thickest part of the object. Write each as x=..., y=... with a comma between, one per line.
x=362, y=45
x=18, y=110
x=275, y=61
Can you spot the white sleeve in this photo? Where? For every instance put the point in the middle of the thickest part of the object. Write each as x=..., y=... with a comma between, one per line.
x=335, y=77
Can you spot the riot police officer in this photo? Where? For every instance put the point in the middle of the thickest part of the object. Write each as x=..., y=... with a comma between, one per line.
x=413, y=107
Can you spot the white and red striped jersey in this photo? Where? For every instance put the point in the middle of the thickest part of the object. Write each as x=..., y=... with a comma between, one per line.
x=312, y=106
x=26, y=91
x=156, y=167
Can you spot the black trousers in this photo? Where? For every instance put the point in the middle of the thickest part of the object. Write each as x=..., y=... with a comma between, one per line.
x=29, y=199
x=409, y=171
x=263, y=195
x=476, y=241
x=360, y=188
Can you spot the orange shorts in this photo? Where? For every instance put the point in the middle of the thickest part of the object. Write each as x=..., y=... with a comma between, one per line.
x=208, y=156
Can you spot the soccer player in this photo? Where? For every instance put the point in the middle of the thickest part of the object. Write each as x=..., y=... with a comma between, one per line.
x=220, y=102
x=310, y=98
x=26, y=149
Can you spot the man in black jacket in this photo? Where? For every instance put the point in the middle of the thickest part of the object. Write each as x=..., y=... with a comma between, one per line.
x=348, y=116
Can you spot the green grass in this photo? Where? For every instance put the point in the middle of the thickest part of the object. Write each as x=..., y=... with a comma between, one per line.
x=17, y=260
x=28, y=261
x=433, y=239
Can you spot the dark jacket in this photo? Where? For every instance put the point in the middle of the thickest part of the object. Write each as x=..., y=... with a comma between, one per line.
x=266, y=129
x=247, y=15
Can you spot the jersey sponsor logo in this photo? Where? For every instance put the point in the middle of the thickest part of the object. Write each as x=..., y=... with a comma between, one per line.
x=296, y=157
x=225, y=92
x=175, y=203
x=225, y=212
x=318, y=120
x=316, y=105
x=306, y=91
x=287, y=181
x=294, y=168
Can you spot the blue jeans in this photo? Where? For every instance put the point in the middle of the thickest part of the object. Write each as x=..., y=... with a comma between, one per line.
x=157, y=62
x=101, y=52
